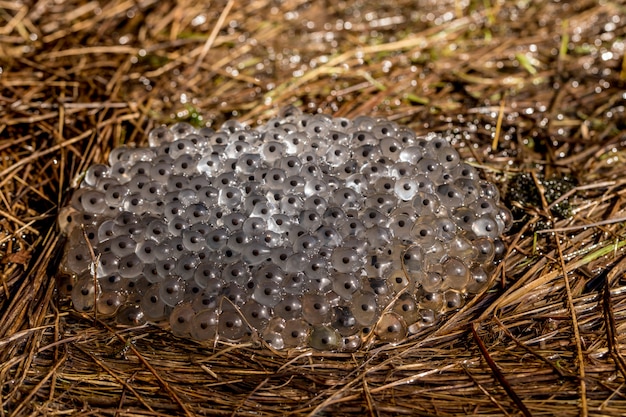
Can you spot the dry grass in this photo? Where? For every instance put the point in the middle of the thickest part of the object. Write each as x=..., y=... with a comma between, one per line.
x=529, y=86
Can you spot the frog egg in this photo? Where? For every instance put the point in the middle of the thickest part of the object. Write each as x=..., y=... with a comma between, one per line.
x=120, y=171
x=317, y=268
x=423, y=234
x=254, y=226
x=361, y=132
x=273, y=339
x=432, y=301
x=374, y=171
x=194, y=241
x=413, y=258
x=232, y=222
x=256, y=315
x=431, y=281
x=425, y=203
x=345, y=285
x=182, y=152
x=455, y=274
x=172, y=210
x=269, y=272
x=207, y=299
x=310, y=220
x=453, y=300
x=318, y=285
x=92, y=201
x=271, y=151
x=306, y=243
x=236, y=272
x=485, y=250
x=137, y=183
x=448, y=157
x=489, y=190
x=315, y=309
x=204, y=325
x=390, y=148
x=122, y=246
x=391, y=328
x=365, y=308
x=268, y=293
x=337, y=155
x=209, y=165
x=232, y=327
x=445, y=229
x=130, y=266
x=197, y=213
x=78, y=258
x=130, y=315
x=504, y=218
x=181, y=129
x=112, y=283
x=324, y=338
x=478, y=281
x=166, y=267
x=107, y=264
x=486, y=226
x=152, y=191
x=255, y=253
x=483, y=205
x=151, y=273
x=291, y=165
x=406, y=307
x=397, y=281
x=186, y=266
x=248, y=163
x=461, y=247
x=295, y=332
x=450, y=196
x=410, y=154
x=372, y=217
x=141, y=168
x=469, y=188
x=346, y=260
x=172, y=290
x=95, y=173
x=324, y=237
x=181, y=319
x=208, y=275
x=346, y=198
x=400, y=226
x=334, y=217
x=379, y=287
x=83, y=293
x=235, y=295
x=344, y=321
x=153, y=307
x=385, y=203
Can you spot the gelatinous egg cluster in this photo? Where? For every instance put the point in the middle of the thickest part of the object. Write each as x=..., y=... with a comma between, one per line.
x=307, y=231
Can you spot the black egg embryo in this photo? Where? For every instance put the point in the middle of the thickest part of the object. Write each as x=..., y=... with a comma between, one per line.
x=308, y=231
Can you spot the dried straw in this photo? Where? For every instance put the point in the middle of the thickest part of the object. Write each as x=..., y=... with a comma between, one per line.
x=524, y=87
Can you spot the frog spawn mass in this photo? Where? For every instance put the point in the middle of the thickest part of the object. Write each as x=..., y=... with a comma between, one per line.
x=306, y=231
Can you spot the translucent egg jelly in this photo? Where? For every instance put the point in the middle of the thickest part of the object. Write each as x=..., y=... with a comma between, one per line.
x=308, y=231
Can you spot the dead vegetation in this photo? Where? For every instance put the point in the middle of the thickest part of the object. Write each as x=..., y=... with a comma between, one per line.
x=528, y=87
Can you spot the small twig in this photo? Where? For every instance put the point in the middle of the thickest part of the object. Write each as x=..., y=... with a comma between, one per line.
x=575, y=328
x=496, y=136
x=498, y=373
x=209, y=42
x=611, y=330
